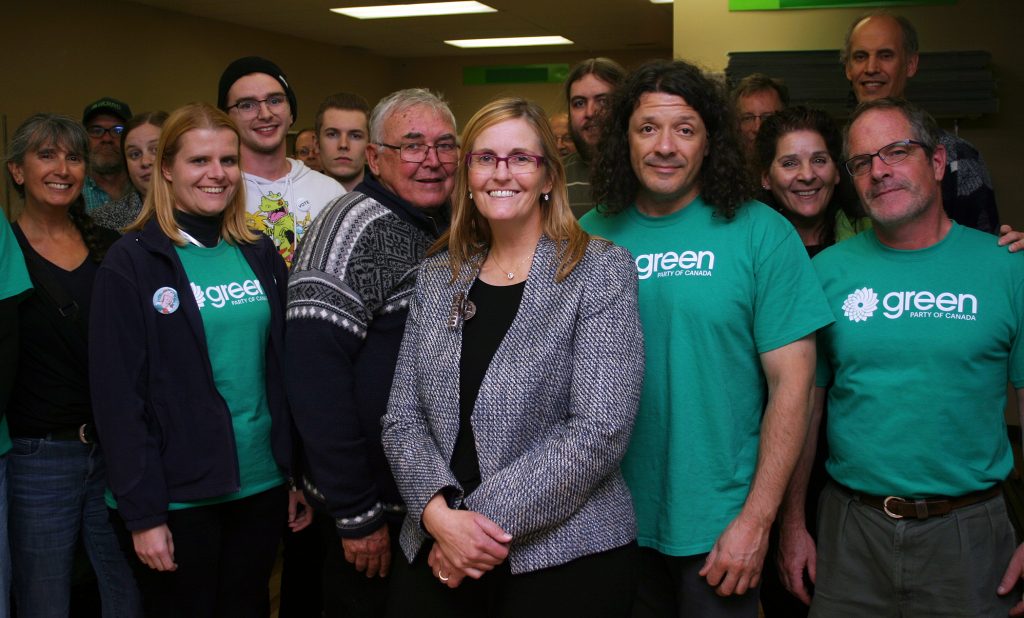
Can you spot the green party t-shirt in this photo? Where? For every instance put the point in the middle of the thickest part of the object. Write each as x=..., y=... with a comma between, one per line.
x=714, y=295
x=236, y=319
x=921, y=350
x=13, y=281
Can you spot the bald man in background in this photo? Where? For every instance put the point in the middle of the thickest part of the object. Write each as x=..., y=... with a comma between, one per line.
x=880, y=56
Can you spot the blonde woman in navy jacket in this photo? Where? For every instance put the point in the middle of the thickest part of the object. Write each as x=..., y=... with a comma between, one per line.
x=514, y=396
x=188, y=387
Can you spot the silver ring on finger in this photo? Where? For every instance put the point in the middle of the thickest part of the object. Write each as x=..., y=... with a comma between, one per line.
x=441, y=576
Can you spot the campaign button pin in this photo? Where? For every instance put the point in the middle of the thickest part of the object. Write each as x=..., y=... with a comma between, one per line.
x=165, y=300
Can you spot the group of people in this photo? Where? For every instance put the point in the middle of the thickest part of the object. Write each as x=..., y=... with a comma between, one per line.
x=505, y=377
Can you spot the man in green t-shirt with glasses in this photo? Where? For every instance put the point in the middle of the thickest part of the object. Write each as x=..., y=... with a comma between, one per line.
x=929, y=318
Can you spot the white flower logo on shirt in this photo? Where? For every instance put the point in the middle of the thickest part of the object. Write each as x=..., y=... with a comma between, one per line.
x=860, y=305
x=198, y=293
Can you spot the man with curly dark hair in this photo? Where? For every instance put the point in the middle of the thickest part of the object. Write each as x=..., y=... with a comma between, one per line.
x=726, y=294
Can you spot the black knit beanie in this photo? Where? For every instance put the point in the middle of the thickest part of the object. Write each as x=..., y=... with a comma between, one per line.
x=246, y=66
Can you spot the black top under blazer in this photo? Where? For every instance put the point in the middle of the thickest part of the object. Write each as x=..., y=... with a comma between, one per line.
x=553, y=417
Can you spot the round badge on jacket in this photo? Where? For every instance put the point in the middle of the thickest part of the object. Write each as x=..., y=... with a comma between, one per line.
x=165, y=300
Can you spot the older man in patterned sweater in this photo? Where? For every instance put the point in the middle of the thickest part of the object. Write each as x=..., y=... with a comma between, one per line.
x=347, y=304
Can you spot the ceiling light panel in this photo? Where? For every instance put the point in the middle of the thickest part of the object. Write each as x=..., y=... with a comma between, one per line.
x=517, y=41
x=425, y=9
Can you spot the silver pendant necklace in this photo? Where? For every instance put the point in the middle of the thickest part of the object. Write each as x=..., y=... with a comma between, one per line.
x=511, y=274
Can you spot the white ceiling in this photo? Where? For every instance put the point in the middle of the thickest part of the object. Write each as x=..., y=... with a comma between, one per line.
x=594, y=25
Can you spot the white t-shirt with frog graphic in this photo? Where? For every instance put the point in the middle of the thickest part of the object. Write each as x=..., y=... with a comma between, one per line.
x=284, y=208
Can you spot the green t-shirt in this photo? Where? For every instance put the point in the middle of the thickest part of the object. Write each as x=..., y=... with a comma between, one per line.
x=922, y=347
x=714, y=295
x=236, y=318
x=13, y=281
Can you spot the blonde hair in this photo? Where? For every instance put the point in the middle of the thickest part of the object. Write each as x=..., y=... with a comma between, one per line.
x=470, y=234
x=159, y=201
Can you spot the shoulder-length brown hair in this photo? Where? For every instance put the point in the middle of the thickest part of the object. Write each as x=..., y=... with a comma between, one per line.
x=470, y=234
x=160, y=198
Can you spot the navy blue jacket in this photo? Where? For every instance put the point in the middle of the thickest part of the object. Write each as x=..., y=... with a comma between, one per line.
x=165, y=431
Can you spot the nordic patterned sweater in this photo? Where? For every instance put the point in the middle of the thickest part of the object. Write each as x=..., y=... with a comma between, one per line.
x=348, y=297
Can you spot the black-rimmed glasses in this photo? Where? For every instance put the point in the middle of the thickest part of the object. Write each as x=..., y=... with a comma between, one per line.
x=251, y=107
x=98, y=131
x=890, y=155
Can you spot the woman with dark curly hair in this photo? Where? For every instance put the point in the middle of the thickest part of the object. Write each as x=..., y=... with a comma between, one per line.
x=56, y=471
x=798, y=154
x=729, y=304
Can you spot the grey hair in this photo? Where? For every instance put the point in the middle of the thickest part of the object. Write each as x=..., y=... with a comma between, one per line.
x=403, y=100
x=41, y=130
x=910, y=43
x=923, y=127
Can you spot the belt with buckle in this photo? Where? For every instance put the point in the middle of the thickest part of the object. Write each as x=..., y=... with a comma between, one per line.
x=84, y=433
x=923, y=508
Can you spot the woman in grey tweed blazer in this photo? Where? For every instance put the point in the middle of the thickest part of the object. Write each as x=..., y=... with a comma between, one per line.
x=515, y=395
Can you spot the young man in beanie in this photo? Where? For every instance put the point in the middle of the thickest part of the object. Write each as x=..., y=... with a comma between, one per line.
x=282, y=195
x=104, y=121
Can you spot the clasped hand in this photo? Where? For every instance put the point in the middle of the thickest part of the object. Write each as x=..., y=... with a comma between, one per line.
x=370, y=554
x=465, y=543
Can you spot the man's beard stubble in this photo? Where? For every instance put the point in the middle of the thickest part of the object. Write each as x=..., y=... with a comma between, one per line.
x=582, y=148
x=106, y=163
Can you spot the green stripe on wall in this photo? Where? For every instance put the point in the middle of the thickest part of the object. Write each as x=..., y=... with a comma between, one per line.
x=515, y=74
x=753, y=5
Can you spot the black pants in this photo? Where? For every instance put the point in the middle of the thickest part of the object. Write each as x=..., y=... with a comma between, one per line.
x=349, y=593
x=224, y=552
x=597, y=586
x=672, y=586
x=302, y=572
x=776, y=601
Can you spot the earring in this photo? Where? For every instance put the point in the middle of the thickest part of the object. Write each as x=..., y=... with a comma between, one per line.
x=470, y=195
x=546, y=197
